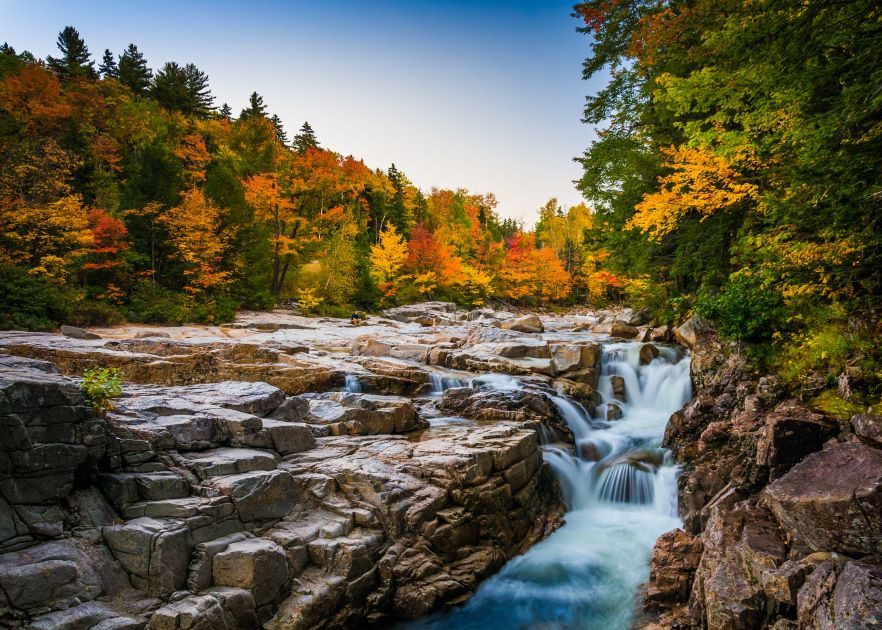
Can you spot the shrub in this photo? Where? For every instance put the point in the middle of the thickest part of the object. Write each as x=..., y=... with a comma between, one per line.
x=743, y=310
x=213, y=310
x=153, y=304
x=101, y=386
x=28, y=303
x=95, y=313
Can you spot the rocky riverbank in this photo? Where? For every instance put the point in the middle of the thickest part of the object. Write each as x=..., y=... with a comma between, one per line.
x=782, y=507
x=282, y=471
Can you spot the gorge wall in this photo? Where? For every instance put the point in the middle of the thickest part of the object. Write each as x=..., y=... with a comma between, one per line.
x=782, y=507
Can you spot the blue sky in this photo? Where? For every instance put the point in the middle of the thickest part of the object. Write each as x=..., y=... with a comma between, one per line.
x=482, y=95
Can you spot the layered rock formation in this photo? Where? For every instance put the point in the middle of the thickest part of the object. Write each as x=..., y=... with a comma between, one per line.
x=228, y=488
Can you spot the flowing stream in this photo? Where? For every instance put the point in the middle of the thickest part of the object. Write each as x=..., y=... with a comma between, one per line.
x=621, y=491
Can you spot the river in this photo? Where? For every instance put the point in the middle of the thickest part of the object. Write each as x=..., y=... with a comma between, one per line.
x=621, y=492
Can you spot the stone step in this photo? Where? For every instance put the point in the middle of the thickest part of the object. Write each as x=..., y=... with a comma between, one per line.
x=186, y=507
x=126, y=488
x=228, y=461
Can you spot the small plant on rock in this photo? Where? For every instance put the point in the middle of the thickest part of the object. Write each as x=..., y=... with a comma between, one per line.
x=101, y=386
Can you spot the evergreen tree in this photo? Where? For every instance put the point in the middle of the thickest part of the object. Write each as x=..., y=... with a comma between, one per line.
x=281, y=136
x=6, y=49
x=199, y=94
x=305, y=139
x=184, y=89
x=108, y=67
x=398, y=212
x=74, y=60
x=133, y=70
x=255, y=107
x=226, y=111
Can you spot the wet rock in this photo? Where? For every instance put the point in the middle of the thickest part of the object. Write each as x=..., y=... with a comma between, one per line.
x=675, y=558
x=648, y=352
x=832, y=500
x=618, y=387
x=78, y=333
x=661, y=334
x=613, y=411
x=525, y=324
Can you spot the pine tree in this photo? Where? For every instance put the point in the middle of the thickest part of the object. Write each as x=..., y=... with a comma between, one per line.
x=255, y=107
x=226, y=111
x=108, y=67
x=305, y=139
x=133, y=70
x=281, y=136
x=198, y=92
x=74, y=60
x=398, y=212
x=6, y=49
x=184, y=89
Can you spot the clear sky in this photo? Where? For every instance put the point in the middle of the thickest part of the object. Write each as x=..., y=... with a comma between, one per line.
x=482, y=95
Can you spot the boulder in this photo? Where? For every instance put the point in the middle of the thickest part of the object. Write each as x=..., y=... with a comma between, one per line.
x=525, y=324
x=261, y=494
x=196, y=612
x=685, y=333
x=78, y=333
x=648, y=352
x=363, y=414
x=573, y=357
x=155, y=553
x=675, y=558
x=857, y=598
x=832, y=500
x=783, y=441
x=661, y=334
x=613, y=411
x=616, y=329
x=368, y=346
x=868, y=427
x=618, y=387
x=255, y=564
x=524, y=348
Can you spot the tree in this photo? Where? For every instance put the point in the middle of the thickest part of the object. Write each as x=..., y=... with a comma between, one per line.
x=133, y=70
x=281, y=136
x=387, y=258
x=305, y=139
x=108, y=67
x=194, y=231
x=533, y=274
x=225, y=112
x=255, y=109
x=276, y=209
x=109, y=243
x=74, y=60
x=183, y=89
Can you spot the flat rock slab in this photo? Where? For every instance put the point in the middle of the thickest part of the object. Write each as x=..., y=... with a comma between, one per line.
x=228, y=461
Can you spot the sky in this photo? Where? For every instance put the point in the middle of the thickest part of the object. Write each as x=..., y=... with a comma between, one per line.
x=484, y=95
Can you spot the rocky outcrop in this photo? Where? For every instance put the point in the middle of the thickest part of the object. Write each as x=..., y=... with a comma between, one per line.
x=236, y=504
x=781, y=504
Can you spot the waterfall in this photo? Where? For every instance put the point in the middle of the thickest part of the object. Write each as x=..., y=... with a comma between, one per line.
x=621, y=490
x=441, y=382
x=352, y=384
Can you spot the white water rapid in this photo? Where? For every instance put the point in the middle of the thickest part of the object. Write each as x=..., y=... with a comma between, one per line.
x=621, y=491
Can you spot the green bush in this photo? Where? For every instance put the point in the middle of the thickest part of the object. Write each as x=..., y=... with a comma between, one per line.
x=743, y=310
x=28, y=303
x=101, y=386
x=215, y=310
x=153, y=304
x=95, y=313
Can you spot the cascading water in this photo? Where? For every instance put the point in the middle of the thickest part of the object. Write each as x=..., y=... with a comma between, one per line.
x=441, y=382
x=352, y=384
x=621, y=489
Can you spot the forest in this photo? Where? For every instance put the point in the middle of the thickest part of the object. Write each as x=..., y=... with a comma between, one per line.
x=128, y=194
x=738, y=172
x=737, y=176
